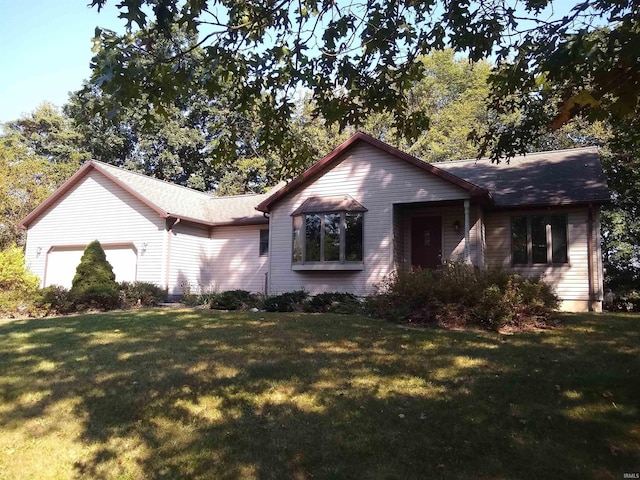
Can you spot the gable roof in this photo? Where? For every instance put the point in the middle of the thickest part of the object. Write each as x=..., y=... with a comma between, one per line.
x=166, y=199
x=562, y=177
x=334, y=157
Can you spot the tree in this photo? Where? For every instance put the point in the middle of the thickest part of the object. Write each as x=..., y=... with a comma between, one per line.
x=453, y=95
x=48, y=133
x=94, y=284
x=38, y=152
x=621, y=220
x=17, y=284
x=361, y=58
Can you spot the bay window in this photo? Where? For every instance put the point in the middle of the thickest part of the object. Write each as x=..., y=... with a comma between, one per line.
x=328, y=231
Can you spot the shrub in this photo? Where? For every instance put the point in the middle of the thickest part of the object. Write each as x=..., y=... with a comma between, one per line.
x=140, y=294
x=286, y=302
x=18, y=286
x=233, y=300
x=494, y=308
x=333, y=302
x=624, y=301
x=461, y=294
x=94, y=284
x=54, y=300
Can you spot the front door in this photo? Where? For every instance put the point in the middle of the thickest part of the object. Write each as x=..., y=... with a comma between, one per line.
x=426, y=242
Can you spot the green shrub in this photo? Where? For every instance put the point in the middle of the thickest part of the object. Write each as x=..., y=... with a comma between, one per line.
x=624, y=301
x=189, y=298
x=493, y=308
x=333, y=302
x=18, y=286
x=461, y=294
x=54, y=300
x=286, y=302
x=233, y=300
x=140, y=294
x=94, y=284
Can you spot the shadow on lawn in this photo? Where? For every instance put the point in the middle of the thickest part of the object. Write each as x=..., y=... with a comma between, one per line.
x=204, y=395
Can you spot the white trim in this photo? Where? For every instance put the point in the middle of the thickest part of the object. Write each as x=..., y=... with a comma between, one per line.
x=163, y=266
x=328, y=266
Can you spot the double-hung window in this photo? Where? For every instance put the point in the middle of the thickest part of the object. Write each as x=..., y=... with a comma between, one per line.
x=539, y=239
x=264, y=242
x=328, y=232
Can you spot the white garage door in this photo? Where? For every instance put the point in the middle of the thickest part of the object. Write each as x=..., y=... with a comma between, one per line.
x=63, y=261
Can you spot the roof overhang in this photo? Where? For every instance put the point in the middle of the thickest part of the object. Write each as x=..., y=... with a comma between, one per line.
x=541, y=206
x=334, y=157
x=90, y=166
x=340, y=203
x=73, y=181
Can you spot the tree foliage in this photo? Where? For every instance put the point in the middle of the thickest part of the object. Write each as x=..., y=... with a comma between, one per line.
x=94, y=284
x=620, y=221
x=362, y=58
x=17, y=284
x=453, y=95
x=38, y=152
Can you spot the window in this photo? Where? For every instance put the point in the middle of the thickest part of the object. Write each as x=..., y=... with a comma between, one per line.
x=327, y=237
x=537, y=239
x=264, y=242
x=327, y=234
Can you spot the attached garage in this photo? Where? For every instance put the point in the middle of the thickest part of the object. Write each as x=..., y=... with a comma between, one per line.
x=62, y=261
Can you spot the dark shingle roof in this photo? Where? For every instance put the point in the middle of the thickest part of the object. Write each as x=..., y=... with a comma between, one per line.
x=561, y=177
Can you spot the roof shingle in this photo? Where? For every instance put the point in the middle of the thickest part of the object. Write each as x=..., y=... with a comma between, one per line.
x=187, y=203
x=560, y=177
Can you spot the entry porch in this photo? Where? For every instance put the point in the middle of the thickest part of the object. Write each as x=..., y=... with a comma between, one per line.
x=427, y=234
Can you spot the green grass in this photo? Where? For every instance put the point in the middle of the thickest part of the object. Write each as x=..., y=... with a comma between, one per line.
x=199, y=394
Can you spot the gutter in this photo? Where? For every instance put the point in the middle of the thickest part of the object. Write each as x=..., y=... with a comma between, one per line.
x=590, y=256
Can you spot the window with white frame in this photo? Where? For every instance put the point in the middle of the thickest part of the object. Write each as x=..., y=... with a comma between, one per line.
x=539, y=239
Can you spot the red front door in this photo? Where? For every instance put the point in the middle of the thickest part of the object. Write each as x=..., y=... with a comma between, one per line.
x=426, y=242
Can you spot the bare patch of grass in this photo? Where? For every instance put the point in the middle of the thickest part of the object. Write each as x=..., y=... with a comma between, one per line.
x=203, y=394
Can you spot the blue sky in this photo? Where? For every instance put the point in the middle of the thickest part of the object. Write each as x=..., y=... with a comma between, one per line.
x=45, y=50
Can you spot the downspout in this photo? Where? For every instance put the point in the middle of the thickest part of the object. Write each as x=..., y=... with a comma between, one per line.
x=168, y=263
x=590, y=255
x=267, y=274
x=467, y=249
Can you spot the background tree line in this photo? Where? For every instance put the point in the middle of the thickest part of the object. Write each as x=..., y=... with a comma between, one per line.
x=202, y=141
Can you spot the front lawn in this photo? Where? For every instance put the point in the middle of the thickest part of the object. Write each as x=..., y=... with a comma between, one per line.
x=200, y=394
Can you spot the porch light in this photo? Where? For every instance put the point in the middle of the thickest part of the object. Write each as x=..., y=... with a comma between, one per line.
x=456, y=226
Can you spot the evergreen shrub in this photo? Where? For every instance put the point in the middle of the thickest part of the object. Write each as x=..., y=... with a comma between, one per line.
x=333, y=302
x=94, y=284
